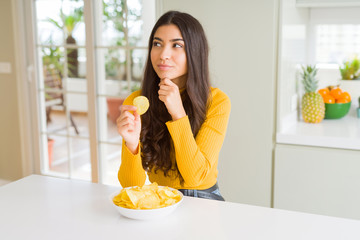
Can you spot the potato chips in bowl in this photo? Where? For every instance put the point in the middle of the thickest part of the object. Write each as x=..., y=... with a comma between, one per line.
x=147, y=202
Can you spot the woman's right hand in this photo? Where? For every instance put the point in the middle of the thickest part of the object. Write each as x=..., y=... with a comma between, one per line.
x=129, y=127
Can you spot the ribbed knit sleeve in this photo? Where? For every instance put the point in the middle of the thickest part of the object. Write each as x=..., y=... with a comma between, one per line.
x=197, y=158
x=131, y=172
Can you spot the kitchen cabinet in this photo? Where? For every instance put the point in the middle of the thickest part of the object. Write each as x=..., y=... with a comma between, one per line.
x=317, y=180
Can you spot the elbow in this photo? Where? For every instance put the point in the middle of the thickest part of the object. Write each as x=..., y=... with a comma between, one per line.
x=194, y=182
x=198, y=177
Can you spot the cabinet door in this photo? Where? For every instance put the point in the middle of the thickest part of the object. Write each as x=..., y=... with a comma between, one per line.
x=317, y=180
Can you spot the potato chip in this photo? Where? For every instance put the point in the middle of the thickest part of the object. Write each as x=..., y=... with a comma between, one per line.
x=135, y=195
x=142, y=104
x=147, y=197
x=151, y=201
x=152, y=186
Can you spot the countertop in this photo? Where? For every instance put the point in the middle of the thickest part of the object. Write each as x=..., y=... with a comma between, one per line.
x=40, y=207
x=343, y=133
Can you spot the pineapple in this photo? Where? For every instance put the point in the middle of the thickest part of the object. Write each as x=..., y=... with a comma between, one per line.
x=313, y=107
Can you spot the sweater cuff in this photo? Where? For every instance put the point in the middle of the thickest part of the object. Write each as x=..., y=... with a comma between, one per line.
x=130, y=158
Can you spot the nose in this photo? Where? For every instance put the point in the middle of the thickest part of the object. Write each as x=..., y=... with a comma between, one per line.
x=165, y=53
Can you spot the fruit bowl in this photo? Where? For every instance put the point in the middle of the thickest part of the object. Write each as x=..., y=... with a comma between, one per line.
x=336, y=110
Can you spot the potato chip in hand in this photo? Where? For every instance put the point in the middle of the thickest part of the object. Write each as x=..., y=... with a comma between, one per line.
x=147, y=197
x=142, y=104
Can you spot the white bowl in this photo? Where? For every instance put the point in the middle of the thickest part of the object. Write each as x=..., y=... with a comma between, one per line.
x=146, y=214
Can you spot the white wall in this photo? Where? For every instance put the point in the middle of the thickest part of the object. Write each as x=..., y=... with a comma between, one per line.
x=10, y=154
x=242, y=38
x=293, y=34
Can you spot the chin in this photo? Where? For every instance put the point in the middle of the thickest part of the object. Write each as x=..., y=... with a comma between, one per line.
x=169, y=76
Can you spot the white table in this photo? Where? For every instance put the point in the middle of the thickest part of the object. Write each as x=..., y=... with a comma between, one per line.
x=39, y=207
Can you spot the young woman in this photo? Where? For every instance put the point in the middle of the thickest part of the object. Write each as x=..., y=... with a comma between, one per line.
x=178, y=140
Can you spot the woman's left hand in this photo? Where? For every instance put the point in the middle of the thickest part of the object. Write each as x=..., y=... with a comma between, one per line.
x=169, y=94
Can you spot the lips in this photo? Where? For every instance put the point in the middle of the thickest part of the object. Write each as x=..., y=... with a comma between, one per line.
x=164, y=67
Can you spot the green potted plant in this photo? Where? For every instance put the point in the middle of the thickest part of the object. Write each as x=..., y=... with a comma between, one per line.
x=350, y=70
x=350, y=77
x=68, y=23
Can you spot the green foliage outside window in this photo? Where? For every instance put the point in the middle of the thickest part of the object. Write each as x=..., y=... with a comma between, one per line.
x=113, y=11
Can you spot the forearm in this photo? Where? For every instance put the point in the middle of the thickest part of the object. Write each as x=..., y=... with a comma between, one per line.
x=195, y=158
x=131, y=172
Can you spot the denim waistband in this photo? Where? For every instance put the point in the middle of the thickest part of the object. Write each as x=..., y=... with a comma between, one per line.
x=208, y=190
x=210, y=193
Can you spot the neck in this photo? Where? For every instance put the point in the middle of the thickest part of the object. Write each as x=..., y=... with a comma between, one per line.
x=180, y=81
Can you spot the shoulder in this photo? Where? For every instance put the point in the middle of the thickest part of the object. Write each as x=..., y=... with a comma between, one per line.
x=219, y=99
x=130, y=98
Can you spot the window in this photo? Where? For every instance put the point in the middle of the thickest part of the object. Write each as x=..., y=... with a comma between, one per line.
x=334, y=38
x=335, y=35
x=336, y=42
x=89, y=56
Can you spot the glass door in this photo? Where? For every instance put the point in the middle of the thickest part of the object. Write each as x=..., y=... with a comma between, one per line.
x=89, y=55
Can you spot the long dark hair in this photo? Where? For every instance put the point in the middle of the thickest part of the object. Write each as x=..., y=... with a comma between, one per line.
x=156, y=141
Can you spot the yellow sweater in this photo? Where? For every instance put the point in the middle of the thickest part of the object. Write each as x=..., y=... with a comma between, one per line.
x=197, y=158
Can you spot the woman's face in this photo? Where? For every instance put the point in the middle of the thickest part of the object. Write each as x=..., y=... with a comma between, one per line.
x=168, y=55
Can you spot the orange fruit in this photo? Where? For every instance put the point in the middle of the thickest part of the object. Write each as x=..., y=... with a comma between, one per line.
x=328, y=99
x=336, y=93
x=324, y=91
x=342, y=100
x=345, y=95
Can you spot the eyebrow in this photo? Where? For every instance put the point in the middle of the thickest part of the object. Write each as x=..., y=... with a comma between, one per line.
x=172, y=40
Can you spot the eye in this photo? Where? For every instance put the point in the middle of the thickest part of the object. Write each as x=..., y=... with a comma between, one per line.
x=156, y=44
x=177, y=45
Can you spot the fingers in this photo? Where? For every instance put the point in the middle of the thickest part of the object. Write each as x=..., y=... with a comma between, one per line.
x=129, y=124
x=137, y=116
x=125, y=114
x=127, y=108
x=126, y=120
x=167, y=82
x=163, y=92
x=125, y=128
x=167, y=88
